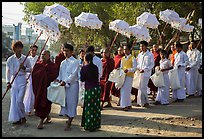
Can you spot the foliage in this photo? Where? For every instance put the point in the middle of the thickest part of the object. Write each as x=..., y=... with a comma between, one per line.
x=109, y=11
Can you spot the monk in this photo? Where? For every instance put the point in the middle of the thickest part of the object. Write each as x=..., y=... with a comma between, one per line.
x=44, y=72
x=108, y=66
x=117, y=59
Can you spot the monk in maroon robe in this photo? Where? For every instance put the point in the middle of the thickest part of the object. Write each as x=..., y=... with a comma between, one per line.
x=157, y=58
x=117, y=59
x=108, y=66
x=44, y=72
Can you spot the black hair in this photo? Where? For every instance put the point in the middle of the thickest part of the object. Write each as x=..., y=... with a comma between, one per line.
x=144, y=43
x=81, y=50
x=164, y=53
x=68, y=46
x=35, y=46
x=89, y=58
x=90, y=49
x=178, y=44
x=17, y=44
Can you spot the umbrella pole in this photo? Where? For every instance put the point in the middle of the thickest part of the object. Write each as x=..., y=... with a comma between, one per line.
x=22, y=63
x=198, y=43
x=160, y=38
x=173, y=38
x=38, y=57
x=113, y=41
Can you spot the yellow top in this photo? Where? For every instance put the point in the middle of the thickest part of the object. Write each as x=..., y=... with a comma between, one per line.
x=127, y=64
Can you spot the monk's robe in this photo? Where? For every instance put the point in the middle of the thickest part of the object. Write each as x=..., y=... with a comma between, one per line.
x=108, y=66
x=43, y=74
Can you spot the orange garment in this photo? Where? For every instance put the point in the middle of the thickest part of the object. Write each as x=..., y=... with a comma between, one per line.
x=172, y=56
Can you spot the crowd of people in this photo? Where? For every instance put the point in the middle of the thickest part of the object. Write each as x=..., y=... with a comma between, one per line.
x=87, y=77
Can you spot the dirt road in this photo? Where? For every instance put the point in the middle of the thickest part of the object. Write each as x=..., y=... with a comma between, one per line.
x=174, y=120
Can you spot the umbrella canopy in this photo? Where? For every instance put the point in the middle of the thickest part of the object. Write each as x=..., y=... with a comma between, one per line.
x=88, y=20
x=45, y=24
x=59, y=13
x=140, y=32
x=182, y=26
x=120, y=26
x=169, y=16
x=147, y=19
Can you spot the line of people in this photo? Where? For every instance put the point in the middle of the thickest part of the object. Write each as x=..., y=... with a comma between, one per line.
x=89, y=75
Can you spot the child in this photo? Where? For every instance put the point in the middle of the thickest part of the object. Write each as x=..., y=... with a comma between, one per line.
x=163, y=92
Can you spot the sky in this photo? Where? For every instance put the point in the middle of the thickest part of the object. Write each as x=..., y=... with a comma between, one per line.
x=11, y=16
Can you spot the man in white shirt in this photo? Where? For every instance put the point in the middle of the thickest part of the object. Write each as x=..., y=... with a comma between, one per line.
x=192, y=69
x=180, y=63
x=17, y=110
x=68, y=77
x=145, y=63
x=96, y=60
x=29, y=97
x=128, y=64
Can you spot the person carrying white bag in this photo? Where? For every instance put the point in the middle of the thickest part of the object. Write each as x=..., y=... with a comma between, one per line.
x=163, y=91
x=181, y=60
x=145, y=63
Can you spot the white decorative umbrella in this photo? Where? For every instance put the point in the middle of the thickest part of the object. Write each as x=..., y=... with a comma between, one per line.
x=140, y=32
x=147, y=19
x=169, y=16
x=88, y=20
x=182, y=26
x=45, y=24
x=59, y=13
x=120, y=26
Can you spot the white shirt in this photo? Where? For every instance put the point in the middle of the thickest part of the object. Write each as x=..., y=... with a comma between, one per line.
x=164, y=64
x=97, y=61
x=194, y=58
x=134, y=64
x=69, y=70
x=145, y=61
x=13, y=64
x=180, y=59
x=32, y=60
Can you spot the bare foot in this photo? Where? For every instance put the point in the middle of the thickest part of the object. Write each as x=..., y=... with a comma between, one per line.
x=40, y=126
x=68, y=127
x=48, y=120
x=23, y=120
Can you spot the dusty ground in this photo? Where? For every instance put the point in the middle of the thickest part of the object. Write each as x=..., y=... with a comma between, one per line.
x=174, y=120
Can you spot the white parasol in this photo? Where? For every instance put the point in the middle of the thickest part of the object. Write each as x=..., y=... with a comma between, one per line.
x=140, y=32
x=147, y=19
x=88, y=20
x=45, y=24
x=182, y=26
x=120, y=26
x=59, y=13
x=169, y=16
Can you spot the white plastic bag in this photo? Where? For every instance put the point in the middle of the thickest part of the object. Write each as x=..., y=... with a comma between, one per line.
x=112, y=75
x=158, y=79
x=136, y=79
x=56, y=93
x=174, y=79
x=81, y=93
x=120, y=78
